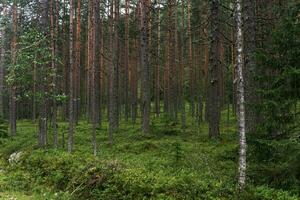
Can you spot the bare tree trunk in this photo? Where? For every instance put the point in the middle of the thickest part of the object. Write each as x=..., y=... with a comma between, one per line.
x=2, y=61
x=214, y=70
x=95, y=70
x=250, y=64
x=158, y=63
x=126, y=88
x=43, y=86
x=53, y=31
x=145, y=68
x=190, y=59
x=77, y=61
x=71, y=72
x=113, y=85
x=12, y=100
x=241, y=97
x=182, y=61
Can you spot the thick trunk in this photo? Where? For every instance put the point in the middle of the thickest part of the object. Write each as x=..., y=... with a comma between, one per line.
x=240, y=97
x=43, y=109
x=113, y=85
x=145, y=104
x=249, y=63
x=214, y=70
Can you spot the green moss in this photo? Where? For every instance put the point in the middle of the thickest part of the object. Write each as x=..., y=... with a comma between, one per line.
x=169, y=164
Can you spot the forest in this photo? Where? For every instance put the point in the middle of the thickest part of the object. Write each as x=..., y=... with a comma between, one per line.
x=149, y=99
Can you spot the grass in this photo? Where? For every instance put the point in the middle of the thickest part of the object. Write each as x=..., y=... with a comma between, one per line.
x=170, y=163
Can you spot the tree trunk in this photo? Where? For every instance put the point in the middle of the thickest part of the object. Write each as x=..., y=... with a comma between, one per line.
x=53, y=31
x=249, y=63
x=77, y=61
x=241, y=98
x=214, y=70
x=158, y=62
x=71, y=73
x=145, y=68
x=2, y=61
x=190, y=59
x=12, y=100
x=113, y=85
x=126, y=88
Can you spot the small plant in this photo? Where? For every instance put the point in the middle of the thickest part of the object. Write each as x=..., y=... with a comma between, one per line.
x=178, y=152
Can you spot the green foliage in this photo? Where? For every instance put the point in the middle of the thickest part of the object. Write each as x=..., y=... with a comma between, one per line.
x=275, y=147
x=179, y=166
x=279, y=78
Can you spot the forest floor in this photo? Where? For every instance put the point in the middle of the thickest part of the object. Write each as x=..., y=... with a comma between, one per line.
x=170, y=163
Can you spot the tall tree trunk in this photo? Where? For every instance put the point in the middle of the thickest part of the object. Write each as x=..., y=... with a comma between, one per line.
x=113, y=85
x=2, y=61
x=44, y=88
x=53, y=30
x=190, y=59
x=77, y=61
x=214, y=70
x=158, y=62
x=126, y=88
x=145, y=68
x=241, y=98
x=12, y=104
x=71, y=73
x=182, y=61
x=95, y=66
x=249, y=63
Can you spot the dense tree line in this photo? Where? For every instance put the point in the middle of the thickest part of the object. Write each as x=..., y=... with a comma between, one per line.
x=136, y=60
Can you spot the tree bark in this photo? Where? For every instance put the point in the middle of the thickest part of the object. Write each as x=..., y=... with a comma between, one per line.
x=53, y=31
x=113, y=85
x=77, y=61
x=158, y=63
x=241, y=97
x=71, y=73
x=145, y=68
x=2, y=61
x=214, y=70
x=126, y=88
x=190, y=59
x=249, y=30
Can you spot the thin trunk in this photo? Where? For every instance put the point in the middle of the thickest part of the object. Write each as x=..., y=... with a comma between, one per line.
x=182, y=61
x=190, y=59
x=53, y=69
x=158, y=62
x=12, y=103
x=71, y=91
x=126, y=59
x=77, y=61
x=2, y=61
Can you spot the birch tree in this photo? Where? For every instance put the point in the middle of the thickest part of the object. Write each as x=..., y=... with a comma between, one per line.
x=241, y=98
